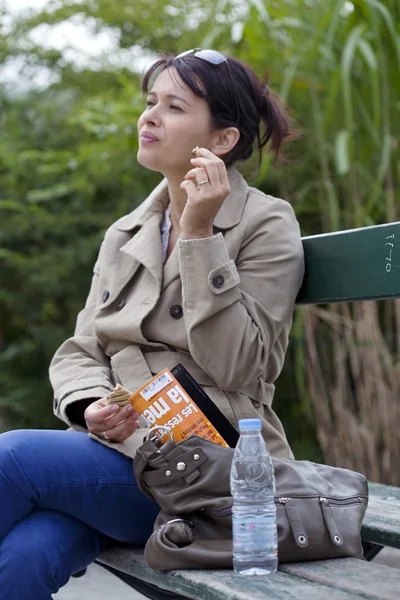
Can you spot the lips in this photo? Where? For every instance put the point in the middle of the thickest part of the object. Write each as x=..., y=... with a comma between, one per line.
x=146, y=136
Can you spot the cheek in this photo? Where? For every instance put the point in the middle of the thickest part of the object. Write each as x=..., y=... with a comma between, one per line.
x=188, y=130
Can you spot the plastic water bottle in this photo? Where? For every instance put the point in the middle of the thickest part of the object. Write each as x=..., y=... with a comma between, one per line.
x=255, y=545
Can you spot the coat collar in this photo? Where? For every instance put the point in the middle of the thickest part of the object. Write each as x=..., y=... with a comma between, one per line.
x=228, y=216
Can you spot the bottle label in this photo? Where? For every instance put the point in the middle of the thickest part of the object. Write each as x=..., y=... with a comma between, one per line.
x=252, y=533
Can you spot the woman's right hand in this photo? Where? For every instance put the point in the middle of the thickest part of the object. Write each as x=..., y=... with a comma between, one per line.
x=111, y=422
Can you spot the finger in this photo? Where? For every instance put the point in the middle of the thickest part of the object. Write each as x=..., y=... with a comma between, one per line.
x=210, y=167
x=112, y=420
x=198, y=175
x=190, y=187
x=94, y=414
x=115, y=432
x=207, y=154
x=126, y=433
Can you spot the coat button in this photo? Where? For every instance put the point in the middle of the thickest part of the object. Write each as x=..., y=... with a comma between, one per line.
x=120, y=305
x=176, y=311
x=105, y=296
x=218, y=280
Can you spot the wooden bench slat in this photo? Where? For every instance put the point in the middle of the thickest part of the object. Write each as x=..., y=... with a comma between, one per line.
x=382, y=519
x=358, y=264
x=221, y=584
x=337, y=579
x=358, y=577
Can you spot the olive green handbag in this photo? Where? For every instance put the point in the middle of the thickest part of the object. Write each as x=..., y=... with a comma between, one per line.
x=320, y=509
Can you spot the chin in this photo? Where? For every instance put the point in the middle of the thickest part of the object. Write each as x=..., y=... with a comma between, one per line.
x=149, y=162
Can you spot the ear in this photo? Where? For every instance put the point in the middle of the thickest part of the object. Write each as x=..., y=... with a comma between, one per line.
x=225, y=140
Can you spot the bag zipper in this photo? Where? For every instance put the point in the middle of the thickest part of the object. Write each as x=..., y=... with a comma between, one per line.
x=342, y=502
x=226, y=510
x=331, y=501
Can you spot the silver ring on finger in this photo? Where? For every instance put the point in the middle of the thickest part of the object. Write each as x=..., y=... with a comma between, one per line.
x=105, y=436
x=203, y=182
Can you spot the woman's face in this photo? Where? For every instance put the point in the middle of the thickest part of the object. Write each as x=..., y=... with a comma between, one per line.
x=174, y=122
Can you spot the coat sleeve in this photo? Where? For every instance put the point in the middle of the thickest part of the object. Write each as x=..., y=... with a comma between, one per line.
x=235, y=312
x=79, y=369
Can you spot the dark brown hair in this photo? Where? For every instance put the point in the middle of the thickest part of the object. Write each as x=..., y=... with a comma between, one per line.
x=236, y=97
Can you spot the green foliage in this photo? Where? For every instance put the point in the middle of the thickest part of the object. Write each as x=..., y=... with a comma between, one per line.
x=68, y=170
x=68, y=155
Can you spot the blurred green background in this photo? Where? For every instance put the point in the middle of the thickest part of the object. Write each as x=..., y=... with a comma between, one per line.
x=68, y=169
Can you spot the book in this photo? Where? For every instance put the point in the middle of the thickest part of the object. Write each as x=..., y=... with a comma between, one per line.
x=174, y=400
x=206, y=405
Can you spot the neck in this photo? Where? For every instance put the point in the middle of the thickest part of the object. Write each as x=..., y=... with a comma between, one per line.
x=177, y=198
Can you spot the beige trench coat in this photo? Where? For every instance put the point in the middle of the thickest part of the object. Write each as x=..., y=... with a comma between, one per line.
x=222, y=306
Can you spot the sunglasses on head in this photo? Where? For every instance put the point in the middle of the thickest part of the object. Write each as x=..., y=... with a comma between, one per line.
x=211, y=56
x=214, y=58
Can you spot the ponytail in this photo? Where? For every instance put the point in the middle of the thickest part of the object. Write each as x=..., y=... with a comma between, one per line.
x=274, y=121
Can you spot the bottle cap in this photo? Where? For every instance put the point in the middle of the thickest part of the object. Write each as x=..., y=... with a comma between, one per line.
x=249, y=424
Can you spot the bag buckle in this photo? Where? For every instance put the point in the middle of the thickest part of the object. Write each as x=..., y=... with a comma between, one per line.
x=154, y=438
x=179, y=520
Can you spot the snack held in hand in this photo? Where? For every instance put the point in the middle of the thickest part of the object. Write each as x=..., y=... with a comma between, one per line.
x=196, y=152
x=119, y=395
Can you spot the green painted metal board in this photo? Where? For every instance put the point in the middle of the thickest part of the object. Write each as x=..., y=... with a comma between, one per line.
x=357, y=264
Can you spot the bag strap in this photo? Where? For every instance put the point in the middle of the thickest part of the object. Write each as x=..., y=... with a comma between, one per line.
x=144, y=454
x=185, y=466
x=330, y=523
x=296, y=524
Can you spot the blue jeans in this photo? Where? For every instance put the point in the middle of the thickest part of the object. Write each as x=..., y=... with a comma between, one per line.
x=62, y=496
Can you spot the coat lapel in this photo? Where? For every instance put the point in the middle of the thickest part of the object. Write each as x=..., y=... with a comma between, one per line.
x=141, y=244
x=171, y=268
x=145, y=248
x=142, y=249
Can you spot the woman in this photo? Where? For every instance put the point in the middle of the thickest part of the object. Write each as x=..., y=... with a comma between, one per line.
x=205, y=272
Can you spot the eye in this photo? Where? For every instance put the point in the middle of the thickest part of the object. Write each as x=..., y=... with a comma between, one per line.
x=150, y=103
x=175, y=107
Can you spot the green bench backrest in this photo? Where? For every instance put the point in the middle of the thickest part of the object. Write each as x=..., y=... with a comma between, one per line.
x=358, y=264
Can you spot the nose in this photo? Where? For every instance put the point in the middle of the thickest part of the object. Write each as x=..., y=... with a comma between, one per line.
x=151, y=117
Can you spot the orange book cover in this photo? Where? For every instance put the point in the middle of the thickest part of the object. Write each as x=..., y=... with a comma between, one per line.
x=163, y=401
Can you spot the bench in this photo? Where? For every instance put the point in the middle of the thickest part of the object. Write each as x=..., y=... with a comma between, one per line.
x=358, y=264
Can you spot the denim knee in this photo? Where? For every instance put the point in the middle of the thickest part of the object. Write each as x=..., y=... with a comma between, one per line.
x=11, y=439
x=13, y=443
x=26, y=571
x=14, y=448
x=41, y=552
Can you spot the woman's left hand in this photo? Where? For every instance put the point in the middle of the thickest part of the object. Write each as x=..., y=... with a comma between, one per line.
x=206, y=186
